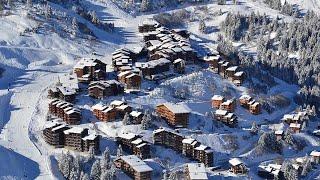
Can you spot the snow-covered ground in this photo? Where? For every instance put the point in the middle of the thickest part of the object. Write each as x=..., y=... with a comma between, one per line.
x=33, y=61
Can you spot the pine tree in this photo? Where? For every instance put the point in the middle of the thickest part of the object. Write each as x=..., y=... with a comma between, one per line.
x=146, y=120
x=74, y=24
x=307, y=166
x=145, y=5
x=95, y=170
x=202, y=26
x=119, y=151
x=84, y=176
x=95, y=19
x=126, y=119
x=91, y=153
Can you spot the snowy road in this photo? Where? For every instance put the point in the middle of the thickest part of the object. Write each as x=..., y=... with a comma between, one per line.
x=15, y=135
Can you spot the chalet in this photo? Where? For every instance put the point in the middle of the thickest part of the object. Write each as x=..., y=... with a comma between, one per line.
x=66, y=93
x=300, y=117
x=223, y=68
x=53, y=93
x=134, y=167
x=238, y=78
x=122, y=110
x=237, y=166
x=133, y=81
x=141, y=148
x=179, y=66
x=169, y=138
x=279, y=134
x=100, y=89
x=227, y=118
x=156, y=67
x=244, y=100
x=255, y=107
x=230, y=71
x=181, y=32
x=196, y=171
x=125, y=139
x=91, y=141
x=90, y=69
x=270, y=171
x=217, y=100
x=73, y=138
x=72, y=115
x=174, y=114
x=228, y=105
x=212, y=61
x=136, y=117
x=104, y=113
x=150, y=36
x=148, y=26
x=188, y=147
x=295, y=127
x=315, y=157
x=53, y=133
x=204, y=154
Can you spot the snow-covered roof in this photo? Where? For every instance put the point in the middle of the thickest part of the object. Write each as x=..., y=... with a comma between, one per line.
x=235, y=161
x=99, y=107
x=177, y=108
x=136, y=163
x=116, y=103
x=137, y=141
x=278, y=132
x=188, y=141
x=51, y=124
x=73, y=110
x=295, y=125
x=197, y=171
x=108, y=109
x=122, y=107
x=141, y=145
x=211, y=58
x=127, y=136
x=232, y=68
x=240, y=73
x=59, y=127
x=201, y=147
x=158, y=62
x=66, y=90
x=217, y=97
x=135, y=113
x=229, y=115
x=221, y=112
x=315, y=153
x=90, y=137
x=227, y=102
x=177, y=61
x=288, y=116
x=75, y=130
x=124, y=73
x=85, y=62
x=131, y=75
x=245, y=97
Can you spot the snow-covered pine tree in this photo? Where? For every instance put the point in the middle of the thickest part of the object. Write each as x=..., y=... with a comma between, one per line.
x=119, y=151
x=95, y=170
x=202, y=26
x=95, y=19
x=126, y=119
x=255, y=128
x=29, y=3
x=307, y=166
x=146, y=120
x=84, y=176
x=91, y=153
x=145, y=5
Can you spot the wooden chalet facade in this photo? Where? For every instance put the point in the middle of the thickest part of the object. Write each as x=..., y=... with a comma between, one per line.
x=225, y=117
x=130, y=79
x=228, y=105
x=73, y=138
x=134, y=167
x=53, y=133
x=217, y=100
x=148, y=26
x=315, y=157
x=168, y=138
x=91, y=141
x=249, y=103
x=174, y=114
x=63, y=93
x=90, y=69
x=100, y=89
x=179, y=66
x=65, y=111
x=155, y=67
x=212, y=61
x=134, y=144
x=237, y=166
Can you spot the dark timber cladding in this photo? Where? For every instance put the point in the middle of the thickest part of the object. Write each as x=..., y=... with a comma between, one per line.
x=53, y=133
x=134, y=167
x=134, y=144
x=174, y=114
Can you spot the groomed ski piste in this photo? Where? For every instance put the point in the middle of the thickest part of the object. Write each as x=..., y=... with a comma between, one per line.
x=33, y=62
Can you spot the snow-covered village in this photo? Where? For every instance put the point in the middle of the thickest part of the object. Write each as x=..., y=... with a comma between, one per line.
x=159, y=89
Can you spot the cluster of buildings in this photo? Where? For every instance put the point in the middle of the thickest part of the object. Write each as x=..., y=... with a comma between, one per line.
x=225, y=69
x=88, y=69
x=134, y=144
x=60, y=134
x=66, y=89
x=275, y=171
x=249, y=103
x=116, y=110
x=225, y=109
x=297, y=121
x=187, y=146
x=101, y=89
x=66, y=111
x=195, y=171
